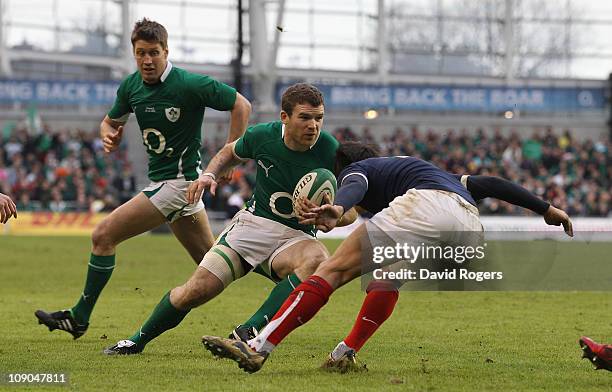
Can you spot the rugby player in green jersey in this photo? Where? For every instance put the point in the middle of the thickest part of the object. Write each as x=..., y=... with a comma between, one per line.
x=169, y=105
x=265, y=236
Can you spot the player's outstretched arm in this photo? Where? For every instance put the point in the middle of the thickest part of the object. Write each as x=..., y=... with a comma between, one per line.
x=557, y=217
x=7, y=208
x=111, y=132
x=489, y=186
x=239, y=118
x=223, y=161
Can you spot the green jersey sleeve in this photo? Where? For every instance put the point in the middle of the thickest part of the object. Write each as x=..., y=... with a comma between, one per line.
x=121, y=108
x=245, y=145
x=255, y=137
x=211, y=93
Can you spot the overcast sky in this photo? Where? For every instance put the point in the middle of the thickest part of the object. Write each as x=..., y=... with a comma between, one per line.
x=317, y=33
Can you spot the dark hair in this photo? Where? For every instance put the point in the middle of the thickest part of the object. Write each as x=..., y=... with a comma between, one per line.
x=300, y=93
x=150, y=31
x=349, y=152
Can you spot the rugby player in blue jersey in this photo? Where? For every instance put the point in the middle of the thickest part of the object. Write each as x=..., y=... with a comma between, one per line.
x=408, y=197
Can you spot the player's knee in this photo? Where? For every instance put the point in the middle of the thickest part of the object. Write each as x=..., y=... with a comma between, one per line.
x=313, y=262
x=312, y=258
x=102, y=238
x=197, y=291
x=189, y=297
x=185, y=297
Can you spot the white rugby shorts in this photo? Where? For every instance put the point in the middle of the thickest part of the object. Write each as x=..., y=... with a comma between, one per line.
x=170, y=198
x=259, y=240
x=429, y=216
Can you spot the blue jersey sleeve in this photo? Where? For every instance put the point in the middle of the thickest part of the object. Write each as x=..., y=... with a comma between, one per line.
x=353, y=187
x=488, y=186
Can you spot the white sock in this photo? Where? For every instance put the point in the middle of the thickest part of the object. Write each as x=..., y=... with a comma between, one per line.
x=340, y=350
x=261, y=345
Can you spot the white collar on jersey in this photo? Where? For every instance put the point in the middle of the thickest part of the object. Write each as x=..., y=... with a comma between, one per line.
x=283, y=136
x=163, y=76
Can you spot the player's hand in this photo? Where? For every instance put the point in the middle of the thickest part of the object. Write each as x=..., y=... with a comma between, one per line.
x=324, y=217
x=7, y=208
x=112, y=140
x=197, y=188
x=304, y=209
x=557, y=217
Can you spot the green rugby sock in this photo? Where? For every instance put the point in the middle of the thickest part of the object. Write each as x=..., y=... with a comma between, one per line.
x=279, y=294
x=164, y=317
x=99, y=271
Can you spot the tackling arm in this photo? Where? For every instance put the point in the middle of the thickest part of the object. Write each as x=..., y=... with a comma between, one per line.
x=351, y=192
x=487, y=186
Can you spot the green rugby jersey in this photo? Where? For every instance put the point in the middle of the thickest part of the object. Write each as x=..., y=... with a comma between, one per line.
x=170, y=115
x=279, y=169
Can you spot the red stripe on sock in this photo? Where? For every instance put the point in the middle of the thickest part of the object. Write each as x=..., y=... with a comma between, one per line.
x=315, y=293
x=377, y=307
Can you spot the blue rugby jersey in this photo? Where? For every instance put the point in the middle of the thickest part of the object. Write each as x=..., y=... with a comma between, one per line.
x=373, y=183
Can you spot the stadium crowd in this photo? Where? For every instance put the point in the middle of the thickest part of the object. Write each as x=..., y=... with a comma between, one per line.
x=64, y=170
x=573, y=175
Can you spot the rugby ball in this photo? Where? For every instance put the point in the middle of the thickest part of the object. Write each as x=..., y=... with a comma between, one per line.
x=314, y=185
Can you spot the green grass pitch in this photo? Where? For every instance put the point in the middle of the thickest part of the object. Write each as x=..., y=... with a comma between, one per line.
x=435, y=341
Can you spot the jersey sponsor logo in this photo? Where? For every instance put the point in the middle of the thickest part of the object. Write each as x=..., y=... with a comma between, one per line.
x=149, y=109
x=161, y=146
x=173, y=114
x=260, y=163
x=149, y=134
x=278, y=195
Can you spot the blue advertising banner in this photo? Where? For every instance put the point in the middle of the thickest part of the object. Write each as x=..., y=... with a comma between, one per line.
x=47, y=92
x=400, y=97
x=451, y=98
